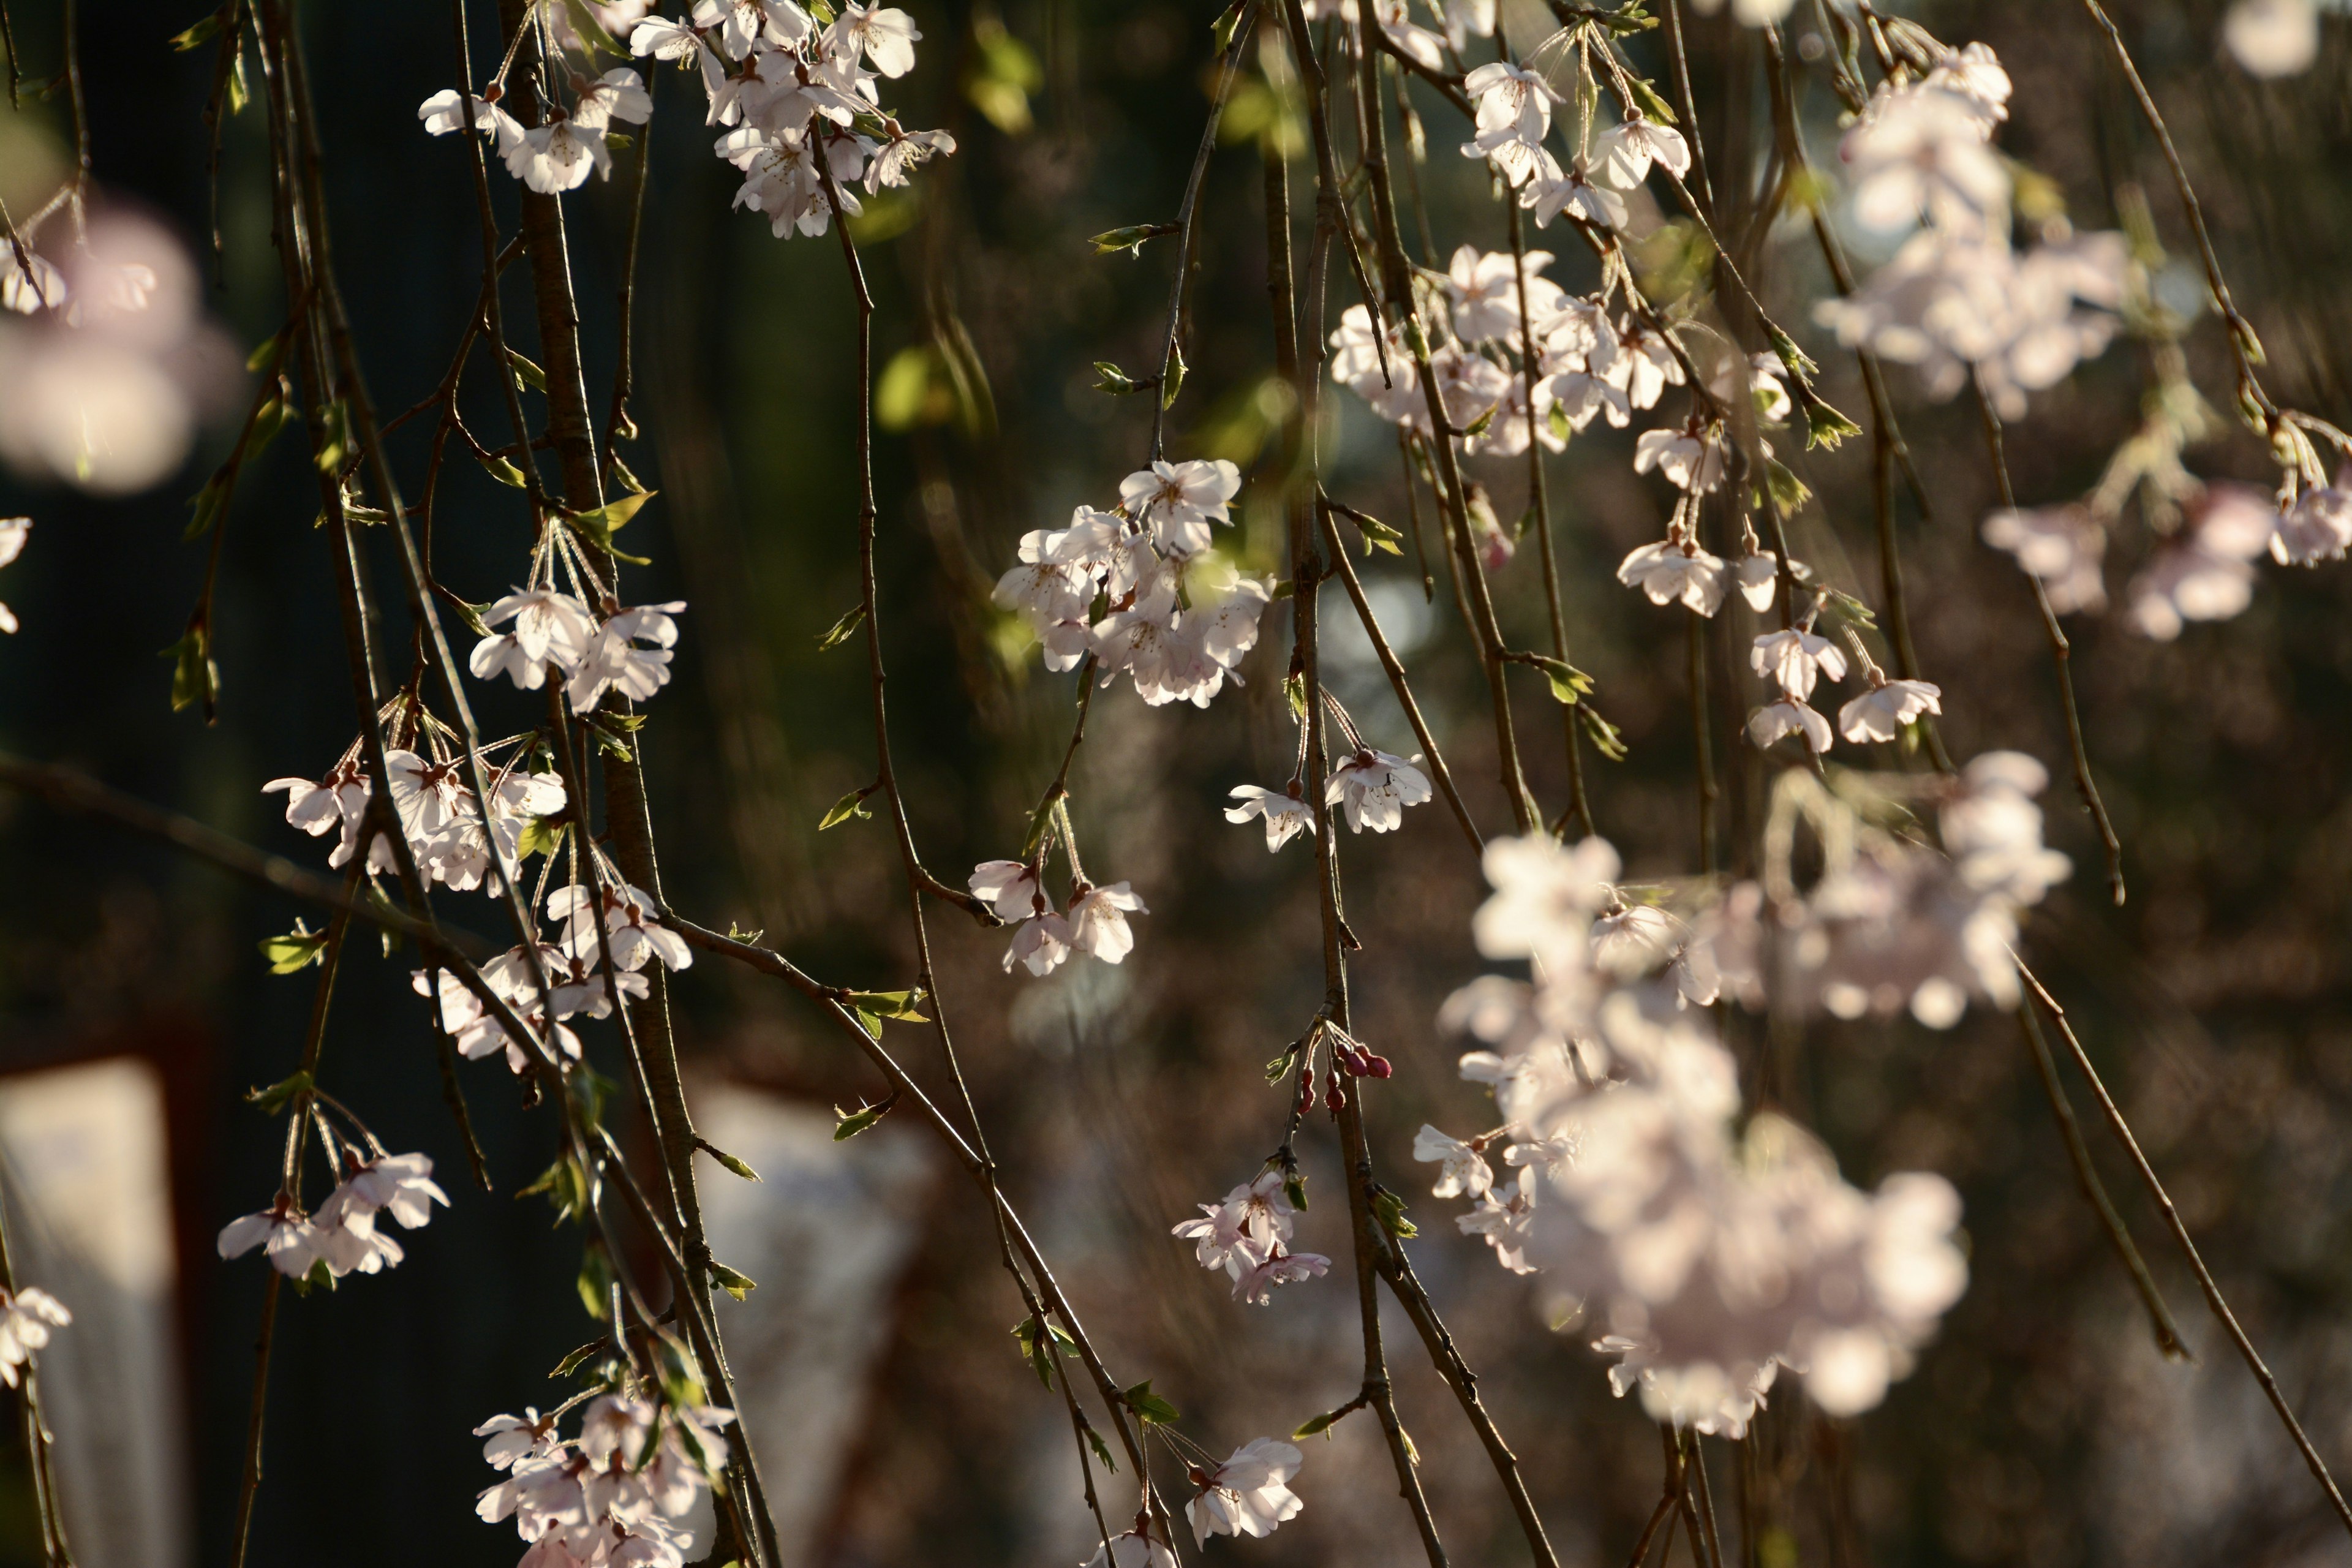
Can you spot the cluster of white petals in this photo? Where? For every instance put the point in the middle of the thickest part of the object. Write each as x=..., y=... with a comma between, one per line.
x=1138, y=589
x=1709, y=1256
x=1248, y=1237
x=1095, y=923
x=1958, y=298
x=26, y=1316
x=553, y=635
x=452, y=839
x=1248, y=1494
x=342, y=1235
x=612, y=1496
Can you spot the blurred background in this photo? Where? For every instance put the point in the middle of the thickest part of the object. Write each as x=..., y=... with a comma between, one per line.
x=2042, y=1427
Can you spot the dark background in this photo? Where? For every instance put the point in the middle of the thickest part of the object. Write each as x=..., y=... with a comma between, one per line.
x=2041, y=1428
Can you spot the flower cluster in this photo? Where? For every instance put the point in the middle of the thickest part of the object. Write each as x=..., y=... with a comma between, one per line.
x=1248, y=1494
x=800, y=101
x=1958, y=298
x=1138, y=589
x=617, y=919
x=1248, y=1237
x=26, y=1316
x=553, y=635
x=614, y=1494
x=453, y=840
x=1794, y=660
x=1095, y=923
x=1710, y=1259
x=341, y=1237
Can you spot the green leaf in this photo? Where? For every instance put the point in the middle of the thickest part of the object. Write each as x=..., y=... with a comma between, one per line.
x=505, y=472
x=580, y=1357
x=904, y=1005
x=1851, y=608
x=1149, y=1407
x=1317, y=1423
x=848, y=1124
x=1102, y=1450
x=1294, y=690
x=1278, y=1068
x=297, y=950
x=1171, y=378
x=1570, y=685
x=272, y=1101
x=1040, y=822
x=528, y=377
x=1606, y=739
x=541, y=835
x=239, y=95
x=320, y=1277
x=1377, y=535
x=902, y=394
x=1222, y=29
x=1038, y=1343
x=597, y=526
x=1132, y=239
x=848, y=805
x=334, y=442
x=839, y=632
x=1561, y=428
x=733, y=1164
x=736, y=1285
x=1788, y=492
x=1825, y=426
x=266, y=357
x=594, y=1283
x=1389, y=1209
x=1293, y=1187
x=629, y=482
x=1798, y=363
x=195, y=678
x=1479, y=427
x=1652, y=106
x=196, y=36
x=584, y=23
x=1109, y=378
x=204, y=507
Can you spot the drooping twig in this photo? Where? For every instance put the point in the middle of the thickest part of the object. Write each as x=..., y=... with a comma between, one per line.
x=2205, y=1281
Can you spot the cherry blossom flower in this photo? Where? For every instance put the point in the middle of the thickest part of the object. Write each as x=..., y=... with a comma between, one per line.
x=1258, y=1283
x=1758, y=577
x=1011, y=886
x=549, y=626
x=1646, y=365
x=885, y=34
x=633, y=932
x=287, y=1238
x=1461, y=1167
x=1253, y=1223
x=399, y=1184
x=1483, y=288
x=1579, y=395
x=1468, y=385
x=1789, y=716
x=2317, y=527
x=1794, y=658
x=899, y=157
x=1546, y=894
x=744, y=25
x=1573, y=191
x=1246, y=1495
x=1690, y=458
x=1098, y=920
x=1513, y=117
x=1042, y=942
x=1286, y=813
x=445, y=111
x=26, y=1319
x=1178, y=501
x=614, y=662
x=2205, y=574
x=1134, y=1549
x=1924, y=151
x=1621, y=155
x=513, y=1437
x=2060, y=546
x=1375, y=787
x=558, y=155
x=1881, y=712
x=1675, y=571
x=1503, y=1218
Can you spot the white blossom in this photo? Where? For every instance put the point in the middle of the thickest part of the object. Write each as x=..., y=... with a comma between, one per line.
x=1131, y=1549
x=1673, y=571
x=1178, y=501
x=1789, y=716
x=1690, y=458
x=287, y=1238
x=2062, y=546
x=1258, y=1283
x=1461, y=1167
x=614, y=662
x=1098, y=920
x=1794, y=657
x=1621, y=155
x=26, y=1319
x=558, y=155
x=1287, y=815
x=2317, y=527
x=1881, y=712
x=1041, y=942
x=1375, y=787
x=2273, y=37
x=1246, y=1495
